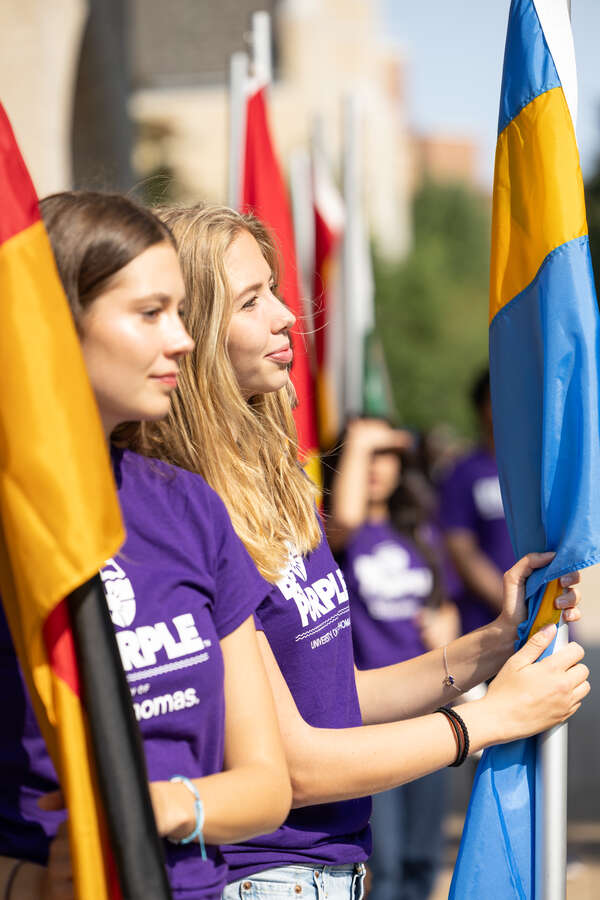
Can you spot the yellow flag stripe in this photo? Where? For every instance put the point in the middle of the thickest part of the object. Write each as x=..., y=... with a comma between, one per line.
x=60, y=513
x=80, y=793
x=312, y=467
x=538, y=195
x=326, y=410
x=547, y=614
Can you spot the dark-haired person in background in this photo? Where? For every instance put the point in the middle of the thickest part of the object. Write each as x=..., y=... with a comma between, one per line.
x=379, y=525
x=472, y=517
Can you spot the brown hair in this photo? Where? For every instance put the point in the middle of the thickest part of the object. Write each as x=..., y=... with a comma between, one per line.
x=247, y=450
x=93, y=236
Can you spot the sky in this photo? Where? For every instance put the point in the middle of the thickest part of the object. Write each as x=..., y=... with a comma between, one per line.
x=454, y=50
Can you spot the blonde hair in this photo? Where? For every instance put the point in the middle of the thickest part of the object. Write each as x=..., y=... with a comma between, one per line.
x=247, y=450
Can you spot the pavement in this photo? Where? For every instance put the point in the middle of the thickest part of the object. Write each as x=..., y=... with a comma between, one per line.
x=583, y=830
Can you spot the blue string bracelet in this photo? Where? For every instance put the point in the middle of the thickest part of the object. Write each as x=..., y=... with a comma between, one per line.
x=197, y=832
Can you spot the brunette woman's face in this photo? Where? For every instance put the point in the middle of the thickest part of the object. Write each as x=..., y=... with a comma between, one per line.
x=258, y=341
x=132, y=338
x=384, y=476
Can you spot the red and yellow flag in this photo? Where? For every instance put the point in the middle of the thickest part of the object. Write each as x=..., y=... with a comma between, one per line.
x=59, y=511
x=264, y=193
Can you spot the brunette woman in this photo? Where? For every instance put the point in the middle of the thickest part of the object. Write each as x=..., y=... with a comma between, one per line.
x=181, y=592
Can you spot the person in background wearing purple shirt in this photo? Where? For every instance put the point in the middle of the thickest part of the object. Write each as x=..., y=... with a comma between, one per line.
x=232, y=422
x=378, y=527
x=472, y=517
x=181, y=592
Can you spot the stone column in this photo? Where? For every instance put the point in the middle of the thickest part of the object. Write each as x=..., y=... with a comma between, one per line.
x=40, y=53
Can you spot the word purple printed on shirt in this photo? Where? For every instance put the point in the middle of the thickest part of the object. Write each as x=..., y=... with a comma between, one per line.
x=181, y=582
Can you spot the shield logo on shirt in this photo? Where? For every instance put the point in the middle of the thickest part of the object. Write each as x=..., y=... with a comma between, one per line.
x=297, y=564
x=119, y=593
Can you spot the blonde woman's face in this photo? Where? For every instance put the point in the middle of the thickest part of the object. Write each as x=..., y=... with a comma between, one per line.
x=132, y=338
x=258, y=339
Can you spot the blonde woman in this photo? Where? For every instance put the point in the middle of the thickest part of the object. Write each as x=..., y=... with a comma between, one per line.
x=347, y=735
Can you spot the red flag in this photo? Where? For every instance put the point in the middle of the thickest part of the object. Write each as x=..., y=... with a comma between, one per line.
x=264, y=193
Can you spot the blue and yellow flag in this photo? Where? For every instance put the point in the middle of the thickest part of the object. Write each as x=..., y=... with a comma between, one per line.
x=544, y=355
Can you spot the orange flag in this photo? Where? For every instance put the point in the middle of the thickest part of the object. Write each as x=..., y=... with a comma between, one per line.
x=59, y=511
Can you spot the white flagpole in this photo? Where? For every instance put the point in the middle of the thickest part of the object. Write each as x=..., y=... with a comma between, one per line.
x=551, y=768
x=238, y=78
x=261, y=47
x=353, y=361
x=304, y=233
x=551, y=805
x=358, y=312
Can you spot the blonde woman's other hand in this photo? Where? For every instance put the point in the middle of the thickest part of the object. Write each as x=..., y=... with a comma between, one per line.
x=514, y=610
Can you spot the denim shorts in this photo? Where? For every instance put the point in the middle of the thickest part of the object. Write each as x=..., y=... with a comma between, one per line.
x=343, y=882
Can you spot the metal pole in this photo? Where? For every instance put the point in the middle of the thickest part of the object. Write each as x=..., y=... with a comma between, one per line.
x=238, y=78
x=358, y=309
x=304, y=231
x=551, y=795
x=261, y=47
x=350, y=179
x=551, y=806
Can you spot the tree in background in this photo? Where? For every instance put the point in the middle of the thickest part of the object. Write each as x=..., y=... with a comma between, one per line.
x=432, y=309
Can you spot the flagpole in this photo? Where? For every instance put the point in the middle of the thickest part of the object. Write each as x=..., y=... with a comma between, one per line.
x=121, y=765
x=551, y=805
x=304, y=234
x=353, y=364
x=261, y=47
x=551, y=795
x=238, y=77
x=358, y=310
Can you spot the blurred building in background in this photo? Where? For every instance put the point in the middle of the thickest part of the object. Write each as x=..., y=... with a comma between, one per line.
x=40, y=49
x=323, y=49
x=117, y=94
x=445, y=159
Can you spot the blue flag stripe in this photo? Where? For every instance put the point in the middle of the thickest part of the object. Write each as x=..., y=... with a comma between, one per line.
x=529, y=69
x=544, y=350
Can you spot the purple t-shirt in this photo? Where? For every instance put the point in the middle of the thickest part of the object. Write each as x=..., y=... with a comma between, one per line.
x=181, y=582
x=388, y=582
x=306, y=619
x=471, y=499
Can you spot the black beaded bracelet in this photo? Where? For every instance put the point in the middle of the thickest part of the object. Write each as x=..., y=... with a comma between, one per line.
x=460, y=733
x=11, y=878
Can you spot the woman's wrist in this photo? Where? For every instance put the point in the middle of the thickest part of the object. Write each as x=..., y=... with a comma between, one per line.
x=173, y=809
x=508, y=630
x=27, y=884
x=483, y=723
